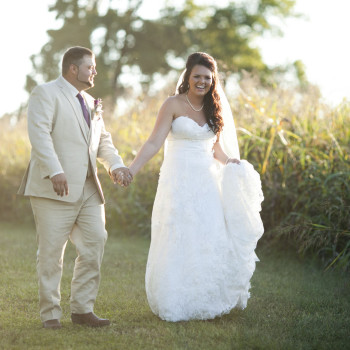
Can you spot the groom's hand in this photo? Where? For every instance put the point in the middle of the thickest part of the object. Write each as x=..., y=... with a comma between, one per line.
x=122, y=176
x=60, y=184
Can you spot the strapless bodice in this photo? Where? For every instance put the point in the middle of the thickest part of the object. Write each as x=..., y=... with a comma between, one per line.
x=186, y=135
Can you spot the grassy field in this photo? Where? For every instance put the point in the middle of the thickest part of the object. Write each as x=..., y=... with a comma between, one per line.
x=293, y=305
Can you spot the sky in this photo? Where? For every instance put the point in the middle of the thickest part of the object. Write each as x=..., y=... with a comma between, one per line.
x=320, y=40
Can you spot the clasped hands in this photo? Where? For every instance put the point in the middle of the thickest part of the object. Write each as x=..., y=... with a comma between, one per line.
x=122, y=176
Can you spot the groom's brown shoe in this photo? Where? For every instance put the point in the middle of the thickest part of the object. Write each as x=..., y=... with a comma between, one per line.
x=89, y=319
x=52, y=324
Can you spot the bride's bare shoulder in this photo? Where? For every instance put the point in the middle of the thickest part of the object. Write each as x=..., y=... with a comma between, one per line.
x=175, y=101
x=175, y=98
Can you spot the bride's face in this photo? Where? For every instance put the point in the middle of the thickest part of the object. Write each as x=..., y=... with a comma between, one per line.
x=200, y=80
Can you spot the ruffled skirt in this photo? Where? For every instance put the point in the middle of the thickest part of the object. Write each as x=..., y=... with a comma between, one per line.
x=205, y=227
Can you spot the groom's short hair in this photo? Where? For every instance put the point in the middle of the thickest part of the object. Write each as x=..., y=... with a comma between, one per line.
x=74, y=55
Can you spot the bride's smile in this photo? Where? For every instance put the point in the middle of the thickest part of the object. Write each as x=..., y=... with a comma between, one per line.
x=200, y=81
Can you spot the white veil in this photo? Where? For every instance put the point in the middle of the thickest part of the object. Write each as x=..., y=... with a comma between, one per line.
x=228, y=136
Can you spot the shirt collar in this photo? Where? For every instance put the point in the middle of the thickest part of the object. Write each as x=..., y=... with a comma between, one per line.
x=72, y=89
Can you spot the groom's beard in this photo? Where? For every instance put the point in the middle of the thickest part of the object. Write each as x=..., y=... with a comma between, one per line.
x=88, y=83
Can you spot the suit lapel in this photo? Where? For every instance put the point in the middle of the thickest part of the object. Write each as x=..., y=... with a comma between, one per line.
x=77, y=112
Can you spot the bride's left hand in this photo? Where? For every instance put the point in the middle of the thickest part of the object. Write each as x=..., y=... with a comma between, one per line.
x=233, y=160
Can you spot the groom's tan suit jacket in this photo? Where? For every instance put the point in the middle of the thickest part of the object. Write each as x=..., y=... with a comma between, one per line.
x=62, y=142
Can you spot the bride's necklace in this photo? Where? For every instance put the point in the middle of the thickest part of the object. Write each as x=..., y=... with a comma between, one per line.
x=196, y=110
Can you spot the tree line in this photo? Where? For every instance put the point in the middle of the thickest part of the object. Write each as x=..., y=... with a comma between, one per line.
x=125, y=41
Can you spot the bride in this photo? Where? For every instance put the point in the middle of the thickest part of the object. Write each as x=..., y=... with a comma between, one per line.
x=205, y=220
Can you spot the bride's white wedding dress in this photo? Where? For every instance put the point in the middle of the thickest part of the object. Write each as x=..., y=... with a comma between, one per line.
x=205, y=226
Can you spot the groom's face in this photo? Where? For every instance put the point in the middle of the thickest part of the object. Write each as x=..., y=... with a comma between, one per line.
x=86, y=72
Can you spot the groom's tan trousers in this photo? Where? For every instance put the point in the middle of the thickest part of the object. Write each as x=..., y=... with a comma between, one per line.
x=83, y=222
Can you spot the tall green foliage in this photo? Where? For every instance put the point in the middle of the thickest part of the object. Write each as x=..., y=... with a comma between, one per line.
x=300, y=146
x=302, y=149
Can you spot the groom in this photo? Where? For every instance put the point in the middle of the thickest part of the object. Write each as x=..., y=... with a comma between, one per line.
x=67, y=134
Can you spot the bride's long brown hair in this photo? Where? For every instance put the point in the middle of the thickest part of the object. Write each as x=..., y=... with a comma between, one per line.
x=212, y=104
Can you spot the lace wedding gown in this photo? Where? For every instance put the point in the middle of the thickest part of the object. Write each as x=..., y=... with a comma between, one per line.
x=205, y=226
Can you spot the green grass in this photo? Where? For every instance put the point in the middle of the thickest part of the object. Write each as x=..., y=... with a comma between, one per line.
x=293, y=305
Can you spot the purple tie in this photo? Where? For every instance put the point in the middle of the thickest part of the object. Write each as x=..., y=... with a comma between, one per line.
x=83, y=107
